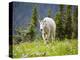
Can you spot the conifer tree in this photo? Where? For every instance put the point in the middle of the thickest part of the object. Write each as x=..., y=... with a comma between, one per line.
x=68, y=22
x=75, y=22
x=33, y=25
x=59, y=23
x=49, y=12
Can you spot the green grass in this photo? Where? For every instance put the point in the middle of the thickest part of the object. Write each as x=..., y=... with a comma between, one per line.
x=38, y=48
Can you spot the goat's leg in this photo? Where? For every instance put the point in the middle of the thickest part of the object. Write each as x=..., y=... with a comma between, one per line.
x=54, y=34
x=43, y=35
x=48, y=35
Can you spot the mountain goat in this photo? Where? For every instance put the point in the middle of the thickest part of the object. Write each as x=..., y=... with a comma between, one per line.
x=48, y=29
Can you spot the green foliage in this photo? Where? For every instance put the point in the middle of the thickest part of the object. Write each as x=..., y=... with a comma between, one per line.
x=21, y=35
x=68, y=22
x=59, y=18
x=37, y=48
x=33, y=25
x=75, y=23
x=29, y=33
x=34, y=17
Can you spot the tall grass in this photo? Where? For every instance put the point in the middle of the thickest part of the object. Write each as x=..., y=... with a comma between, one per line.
x=38, y=48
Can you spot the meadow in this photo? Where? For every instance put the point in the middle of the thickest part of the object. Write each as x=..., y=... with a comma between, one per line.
x=39, y=49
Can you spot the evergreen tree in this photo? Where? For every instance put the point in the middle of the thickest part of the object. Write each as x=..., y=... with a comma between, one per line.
x=59, y=23
x=75, y=22
x=68, y=22
x=49, y=12
x=34, y=17
x=33, y=25
x=61, y=9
